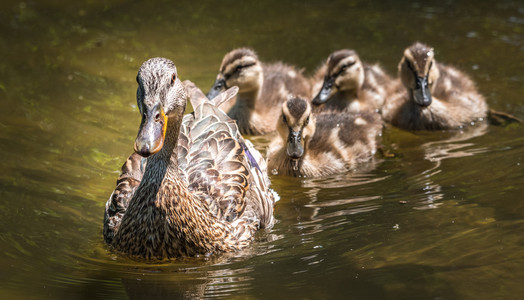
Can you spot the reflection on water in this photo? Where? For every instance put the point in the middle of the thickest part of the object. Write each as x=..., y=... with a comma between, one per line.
x=442, y=219
x=455, y=146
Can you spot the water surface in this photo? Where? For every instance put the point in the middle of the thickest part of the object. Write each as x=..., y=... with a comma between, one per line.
x=441, y=220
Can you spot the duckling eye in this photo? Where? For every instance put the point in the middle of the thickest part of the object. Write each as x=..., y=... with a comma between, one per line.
x=173, y=78
x=344, y=67
x=240, y=67
x=307, y=121
x=284, y=118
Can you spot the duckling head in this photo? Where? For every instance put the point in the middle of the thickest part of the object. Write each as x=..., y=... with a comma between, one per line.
x=160, y=97
x=344, y=73
x=241, y=68
x=418, y=72
x=296, y=126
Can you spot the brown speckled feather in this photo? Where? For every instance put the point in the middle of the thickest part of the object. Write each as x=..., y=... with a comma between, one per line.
x=205, y=191
x=126, y=184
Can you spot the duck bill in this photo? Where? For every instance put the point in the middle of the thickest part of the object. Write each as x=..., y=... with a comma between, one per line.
x=218, y=87
x=421, y=94
x=295, y=149
x=325, y=92
x=152, y=132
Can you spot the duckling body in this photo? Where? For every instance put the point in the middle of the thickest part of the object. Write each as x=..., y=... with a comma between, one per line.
x=350, y=85
x=262, y=89
x=324, y=144
x=204, y=188
x=432, y=96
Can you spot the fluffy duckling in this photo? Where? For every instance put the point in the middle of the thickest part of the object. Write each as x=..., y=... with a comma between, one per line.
x=323, y=144
x=204, y=189
x=350, y=85
x=262, y=89
x=430, y=95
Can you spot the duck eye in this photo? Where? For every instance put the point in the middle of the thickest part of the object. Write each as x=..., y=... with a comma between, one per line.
x=238, y=68
x=173, y=78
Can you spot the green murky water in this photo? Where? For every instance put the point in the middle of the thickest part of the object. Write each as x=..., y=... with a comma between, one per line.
x=68, y=119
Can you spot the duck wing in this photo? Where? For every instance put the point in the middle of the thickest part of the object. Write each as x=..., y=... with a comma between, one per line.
x=222, y=169
x=126, y=184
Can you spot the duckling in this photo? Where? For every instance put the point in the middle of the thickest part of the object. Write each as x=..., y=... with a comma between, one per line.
x=321, y=144
x=350, y=85
x=204, y=189
x=262, y=89
x=430, y=95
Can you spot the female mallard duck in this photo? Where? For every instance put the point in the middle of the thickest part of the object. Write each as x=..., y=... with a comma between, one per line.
x=262, y=89
x=204, y=188
x=350, y=85
x=323, y=144
x=432, y=96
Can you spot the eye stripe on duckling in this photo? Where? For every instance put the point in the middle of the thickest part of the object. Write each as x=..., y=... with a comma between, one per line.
x=238, y=64
x=238, y=54
x=335, y=58
x=343, y=64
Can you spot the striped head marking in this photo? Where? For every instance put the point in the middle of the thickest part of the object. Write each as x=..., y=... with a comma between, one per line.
x=344, y=73
x=241, y=68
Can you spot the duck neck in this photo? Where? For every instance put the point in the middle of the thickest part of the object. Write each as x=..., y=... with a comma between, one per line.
x=164, y=219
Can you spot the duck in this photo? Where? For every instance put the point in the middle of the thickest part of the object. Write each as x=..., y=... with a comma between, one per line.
x=349, y=85
x=313, y=145
x=203, y=188
x=263, y=87
x=430, y=95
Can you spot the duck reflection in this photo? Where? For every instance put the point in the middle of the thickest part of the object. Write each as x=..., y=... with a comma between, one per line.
x=458, y=145
x=190, y=283
x=330, y=202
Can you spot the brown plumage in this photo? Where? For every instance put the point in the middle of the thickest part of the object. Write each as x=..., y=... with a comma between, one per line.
x=323, y=144
x=430, y=95
x=262, y=89
x=349, y=85
x=204, y=190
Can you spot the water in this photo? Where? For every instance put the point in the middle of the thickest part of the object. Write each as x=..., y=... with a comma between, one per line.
x=441, y=220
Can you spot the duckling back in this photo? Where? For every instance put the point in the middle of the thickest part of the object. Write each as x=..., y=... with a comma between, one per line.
x=322, y=144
